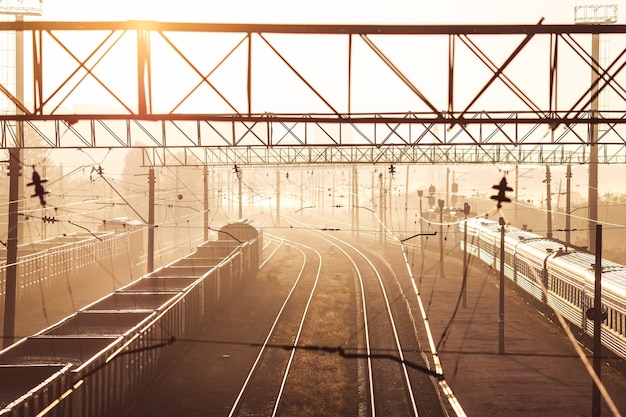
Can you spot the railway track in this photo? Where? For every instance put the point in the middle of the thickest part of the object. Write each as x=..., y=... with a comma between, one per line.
x=324, y=330
x=389, y=371
x=264, y=385
x=399, y=379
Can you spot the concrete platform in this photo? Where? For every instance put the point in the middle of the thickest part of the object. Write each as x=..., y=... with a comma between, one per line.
x=539, y=373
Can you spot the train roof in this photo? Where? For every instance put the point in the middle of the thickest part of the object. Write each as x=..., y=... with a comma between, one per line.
x=612, y=272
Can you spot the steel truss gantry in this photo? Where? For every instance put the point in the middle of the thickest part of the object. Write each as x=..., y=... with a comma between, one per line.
x=287, y=94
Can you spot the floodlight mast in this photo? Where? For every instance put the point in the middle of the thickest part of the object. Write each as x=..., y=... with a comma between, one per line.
x=594, y=14
x=18, y=8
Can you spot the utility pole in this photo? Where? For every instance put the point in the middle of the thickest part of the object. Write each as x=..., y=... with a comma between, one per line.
x=515, y=208
x=568, y=206
x=355, y=199
x=420, y=194
x=15, y=161
x=441, y=204
x=447, y=201
x=594, y=15
x=381, y=202
x=277, y=197
x=333, y=192
x=593, y=144
x=466, y=210
x=501, y=316
x=406, y=200
x=239, y=181
x=548, y=202
x=205, y=176
x=597, y=324
x=10, y=297
x=151, y=181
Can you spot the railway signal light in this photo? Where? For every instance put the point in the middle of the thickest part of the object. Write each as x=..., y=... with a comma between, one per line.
x=502, y=188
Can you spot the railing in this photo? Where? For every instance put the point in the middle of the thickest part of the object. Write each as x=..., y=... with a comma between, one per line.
x=44, y=263
x=109, y=352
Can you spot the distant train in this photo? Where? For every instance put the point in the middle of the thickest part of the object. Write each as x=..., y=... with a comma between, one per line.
x=98, y=361
x=567, y=274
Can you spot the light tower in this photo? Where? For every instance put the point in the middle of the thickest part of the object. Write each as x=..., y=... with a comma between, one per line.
x=594, y=14
x=18, y=8
x=12, y=50
x=598, y=14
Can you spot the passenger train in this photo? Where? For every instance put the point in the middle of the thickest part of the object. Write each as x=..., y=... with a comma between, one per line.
x=99, y=360
x=531, y=261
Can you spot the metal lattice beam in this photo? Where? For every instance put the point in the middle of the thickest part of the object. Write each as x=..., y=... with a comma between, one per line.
x=480, y=93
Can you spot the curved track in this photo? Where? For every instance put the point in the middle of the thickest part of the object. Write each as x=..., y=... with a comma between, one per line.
x=263, y=388
x=398, y=379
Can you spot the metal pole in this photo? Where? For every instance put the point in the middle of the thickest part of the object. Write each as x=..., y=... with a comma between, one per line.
x=441, y=205
x=447, y=201
x=386, y=193
x=549, y=202
x=593, y=148
x=151, y=181
x=420, y=193
x=15, y=190
x=11, y=271
x=277, y=197
x=501, y=317
x=239, y=181
x=516, y=206
x=355, y=200
x=19, y=94
x=380, y=206
x=464, y=286
x=333, y=192
x=205, y=175
x=568, y=206
x=406, y=200
x=597, y=323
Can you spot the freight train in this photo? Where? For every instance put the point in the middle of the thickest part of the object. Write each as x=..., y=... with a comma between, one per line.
x=535, y=263
x=98, y=361
x=45, y=263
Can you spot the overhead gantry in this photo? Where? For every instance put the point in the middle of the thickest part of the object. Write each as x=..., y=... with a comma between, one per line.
x=282, y=94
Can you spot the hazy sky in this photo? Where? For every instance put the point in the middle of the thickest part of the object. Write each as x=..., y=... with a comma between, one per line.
x=322, y=11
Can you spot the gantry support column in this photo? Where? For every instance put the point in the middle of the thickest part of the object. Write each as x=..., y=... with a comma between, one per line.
x=11, y=271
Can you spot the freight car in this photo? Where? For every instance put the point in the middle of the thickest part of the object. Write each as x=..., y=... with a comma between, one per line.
x=42, y=264
x=99, y=360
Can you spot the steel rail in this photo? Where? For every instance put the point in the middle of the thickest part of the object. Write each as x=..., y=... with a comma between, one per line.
x=235, y=408
x=392, y=321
